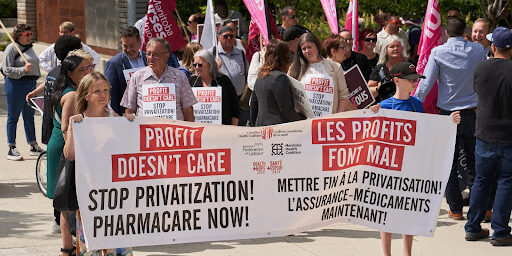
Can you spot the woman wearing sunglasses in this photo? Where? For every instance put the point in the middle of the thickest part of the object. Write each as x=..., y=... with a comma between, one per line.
x=208, y=75
x=20, y=79
x=368, y=41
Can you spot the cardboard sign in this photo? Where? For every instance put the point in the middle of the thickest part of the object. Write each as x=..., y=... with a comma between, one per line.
x=208, y=108
x=38, y=103
x=320, y=91
x=359, y=93
x=159, y=100
x=156, y=181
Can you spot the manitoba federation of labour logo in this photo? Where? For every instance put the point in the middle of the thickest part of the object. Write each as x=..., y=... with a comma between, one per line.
x=266, y=132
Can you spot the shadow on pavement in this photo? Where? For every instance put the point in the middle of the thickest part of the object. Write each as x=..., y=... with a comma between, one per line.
x=19, y=189
x=183, y=249
x=16, y=224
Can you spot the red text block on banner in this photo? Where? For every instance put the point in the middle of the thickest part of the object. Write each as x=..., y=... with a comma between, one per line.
x=158, y=137
x=174, y=164
x=382, y=155
x=355, y=130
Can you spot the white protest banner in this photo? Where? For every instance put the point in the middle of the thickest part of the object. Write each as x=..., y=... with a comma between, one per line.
x=158, y=181
x=300, y=98
x=320, y=91
x=359, y=93
x=159, y=100
x=208, y=108
x=129, y=72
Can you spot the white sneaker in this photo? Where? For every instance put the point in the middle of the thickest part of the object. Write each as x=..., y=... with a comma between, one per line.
x=35, y=150
x=55, y=228
x=14, y=154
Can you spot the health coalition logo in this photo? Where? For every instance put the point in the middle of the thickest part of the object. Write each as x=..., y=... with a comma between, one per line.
x=266, y=133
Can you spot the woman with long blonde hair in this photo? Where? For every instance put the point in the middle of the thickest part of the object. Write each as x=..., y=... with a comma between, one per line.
x=91, y=100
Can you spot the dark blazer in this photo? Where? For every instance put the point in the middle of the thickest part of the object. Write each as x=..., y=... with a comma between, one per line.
x=114, y=73
x=272, y=101
x=230, y=106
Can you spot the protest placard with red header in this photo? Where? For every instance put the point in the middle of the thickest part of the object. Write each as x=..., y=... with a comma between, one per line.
x=352, y=23
x=430, y=38
x=331, y=15
x=161, y=23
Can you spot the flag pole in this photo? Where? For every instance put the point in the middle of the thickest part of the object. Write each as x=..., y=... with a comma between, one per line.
x=13, y=42
x=182, y=24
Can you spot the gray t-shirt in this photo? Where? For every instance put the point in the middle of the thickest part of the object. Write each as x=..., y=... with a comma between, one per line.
x=13, y=68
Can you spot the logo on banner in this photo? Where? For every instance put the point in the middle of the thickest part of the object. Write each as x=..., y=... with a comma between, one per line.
x=266, y=133
x=277, y=149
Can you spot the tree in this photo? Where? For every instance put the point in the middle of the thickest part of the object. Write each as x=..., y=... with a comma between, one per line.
x=496, y=11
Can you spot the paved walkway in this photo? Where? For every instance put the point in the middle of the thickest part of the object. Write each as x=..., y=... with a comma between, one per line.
x=26, y=218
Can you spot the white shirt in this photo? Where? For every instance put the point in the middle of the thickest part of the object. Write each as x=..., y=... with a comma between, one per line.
x=48, y=60
x=314, y=69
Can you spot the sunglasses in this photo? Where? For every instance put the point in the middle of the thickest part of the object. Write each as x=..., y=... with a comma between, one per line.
x=26, y=33
x=200, y=65
x=190, y=22
x=396, y=22
x=415, y=80
x=370, y=39
x=228, y=36
x=292, y=17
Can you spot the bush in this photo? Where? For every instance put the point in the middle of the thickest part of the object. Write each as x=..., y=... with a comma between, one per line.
x=8, y=9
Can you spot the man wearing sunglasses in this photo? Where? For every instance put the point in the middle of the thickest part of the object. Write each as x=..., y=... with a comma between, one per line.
x=392, y=27
x=354, y=58
x=233, y=63
x=289, y=19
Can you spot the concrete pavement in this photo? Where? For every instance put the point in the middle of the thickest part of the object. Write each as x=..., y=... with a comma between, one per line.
x=26, y=220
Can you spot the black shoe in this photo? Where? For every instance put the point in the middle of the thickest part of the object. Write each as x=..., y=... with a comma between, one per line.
x=484, y=233
x=14, y=154
x=502, y=241
x=35, y=150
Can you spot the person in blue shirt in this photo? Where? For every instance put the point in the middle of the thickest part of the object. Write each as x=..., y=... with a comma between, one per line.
x=405, y=78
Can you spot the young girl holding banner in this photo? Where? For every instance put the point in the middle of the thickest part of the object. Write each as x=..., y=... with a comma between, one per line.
x=323, y=79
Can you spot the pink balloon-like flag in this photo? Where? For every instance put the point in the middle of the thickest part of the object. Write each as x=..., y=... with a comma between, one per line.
x=352, y=23
x=430, y=38
x=257, y=10
x=331, y=15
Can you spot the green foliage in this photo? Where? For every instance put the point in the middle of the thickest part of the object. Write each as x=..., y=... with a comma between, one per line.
x=7, y=8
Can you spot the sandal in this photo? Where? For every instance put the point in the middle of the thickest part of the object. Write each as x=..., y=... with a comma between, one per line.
x=70, y=252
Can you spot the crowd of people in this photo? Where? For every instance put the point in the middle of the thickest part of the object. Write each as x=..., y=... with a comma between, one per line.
x=470, y=69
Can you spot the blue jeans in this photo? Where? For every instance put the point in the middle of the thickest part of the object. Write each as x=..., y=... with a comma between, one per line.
x=15, y=91
x=493, y=160
x=466, y=139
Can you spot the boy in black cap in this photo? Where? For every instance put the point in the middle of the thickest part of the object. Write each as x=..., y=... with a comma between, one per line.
x=405, y=78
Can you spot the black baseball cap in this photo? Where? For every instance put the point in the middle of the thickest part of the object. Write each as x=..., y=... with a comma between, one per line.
x=405, y=70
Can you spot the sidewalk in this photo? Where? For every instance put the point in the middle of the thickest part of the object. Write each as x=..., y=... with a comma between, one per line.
x=26, y=220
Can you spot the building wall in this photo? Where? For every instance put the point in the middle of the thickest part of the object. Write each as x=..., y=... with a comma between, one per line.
x=27, y=14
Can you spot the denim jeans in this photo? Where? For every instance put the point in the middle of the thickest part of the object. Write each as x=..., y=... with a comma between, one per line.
x=465, y=138
x=16, y=90
x=492, y=160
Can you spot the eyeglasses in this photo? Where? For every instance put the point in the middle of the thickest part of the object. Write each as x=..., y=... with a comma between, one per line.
x=89, y=67
x=190, y=21
x=229, y=36
x=396, y=22
x=292, y=17
x=198, y=65
x=26, y=33
x=370, y=39
x=153, y=54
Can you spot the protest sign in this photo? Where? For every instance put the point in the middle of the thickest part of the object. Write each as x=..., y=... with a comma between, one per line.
x=38, y=103
x=158, y=181
x=208, y=108
x=300, y=99
x=320, y=91
x=161, y=23
x=359, y=93
x=159, y=100
x=129, y=72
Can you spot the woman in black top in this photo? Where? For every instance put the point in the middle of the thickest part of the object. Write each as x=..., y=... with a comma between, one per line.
x=272, y=101
x=207, y=74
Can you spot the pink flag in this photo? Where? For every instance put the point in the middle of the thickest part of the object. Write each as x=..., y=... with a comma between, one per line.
x=254, y=33
x=257, y=10
x=161, y=23
x=331, y=15
x=430, y=38
x=352, y=23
